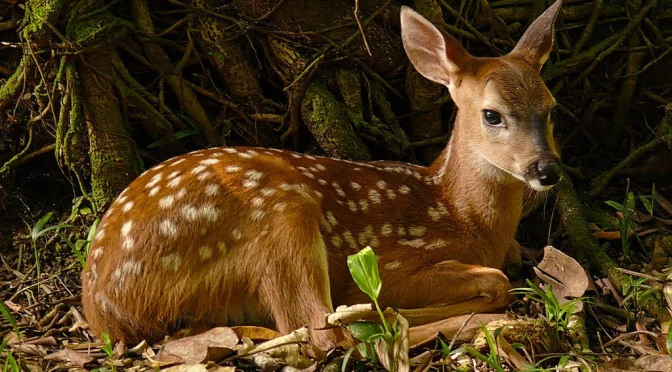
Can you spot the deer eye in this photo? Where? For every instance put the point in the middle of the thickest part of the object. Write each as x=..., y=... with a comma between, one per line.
x=492, y=117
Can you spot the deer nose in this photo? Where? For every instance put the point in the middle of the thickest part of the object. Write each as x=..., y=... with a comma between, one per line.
x=548, y=172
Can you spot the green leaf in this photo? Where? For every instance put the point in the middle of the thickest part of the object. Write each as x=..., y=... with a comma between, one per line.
x=445, y=349
x=647, y=204
x=668, y=341
x=37, y=229
x=364, y=269
x=615, y=205
x=346, y=358
x=630, y=202
x=8, y=316
x=363, y=331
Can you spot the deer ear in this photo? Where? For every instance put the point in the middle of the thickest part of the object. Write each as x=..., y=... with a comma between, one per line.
x=535, y=45
x=435, y=55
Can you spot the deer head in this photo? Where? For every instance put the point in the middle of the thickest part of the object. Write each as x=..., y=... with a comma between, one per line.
x=504, y=107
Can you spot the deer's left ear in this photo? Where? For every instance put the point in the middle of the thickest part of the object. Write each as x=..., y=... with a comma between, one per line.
x=536, y=43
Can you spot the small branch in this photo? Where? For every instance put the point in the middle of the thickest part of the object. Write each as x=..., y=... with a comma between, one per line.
x=361, y=28
x=603, y=179
x=441, y=140
x=590, y=26
x=269, y=13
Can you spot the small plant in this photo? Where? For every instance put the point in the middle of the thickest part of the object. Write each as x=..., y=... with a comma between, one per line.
x=635, y=289
x=11, y=365
x=364, y=270
x=108, y=349
x=492, y=359
x=627, y=223
x=557, y=314
x=81, y=247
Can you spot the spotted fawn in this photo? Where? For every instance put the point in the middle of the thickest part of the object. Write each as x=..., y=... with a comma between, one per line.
x=243, y=235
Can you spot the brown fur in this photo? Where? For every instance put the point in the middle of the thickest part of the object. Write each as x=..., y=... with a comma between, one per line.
x=251, y=236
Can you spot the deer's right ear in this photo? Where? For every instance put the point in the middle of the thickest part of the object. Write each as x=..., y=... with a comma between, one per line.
x=436, y=56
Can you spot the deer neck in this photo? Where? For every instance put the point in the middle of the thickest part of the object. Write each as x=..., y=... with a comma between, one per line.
x=483, y=196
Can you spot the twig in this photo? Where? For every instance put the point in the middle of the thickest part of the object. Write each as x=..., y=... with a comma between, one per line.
x=648, y=65
x=469, y=26
x=361, y=28
x=590, y=26
x=268, y=14
x=440, y=140
x=342, y=46
x=603, y=179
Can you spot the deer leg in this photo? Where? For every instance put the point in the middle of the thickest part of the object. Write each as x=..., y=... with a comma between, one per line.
x=448, y=289
x=513, y=261
x=295, y=287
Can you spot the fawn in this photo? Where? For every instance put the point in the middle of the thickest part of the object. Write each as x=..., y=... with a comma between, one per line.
x=246, y=235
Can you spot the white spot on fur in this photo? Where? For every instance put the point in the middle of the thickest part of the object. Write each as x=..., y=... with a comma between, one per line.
x=364, y=205
x=404, y=190
x=438, y=243
x=392, y=265
x=177, y=162
x=128, y=243
x=347, y=235
x=336, y=241
x=320, y=167
x=175, y=182
x=322, y=181
x=254, y=175
x=198, y=169
x=391, y=194
x=154, y=190
x=245, y=155
x=232, y=168
x=212, y=189
x=171, y=261
x=386, y=230
x=340, y=192
x=190, y=212
x=127, y=207
x=209, y=212
x=126, y=228
x=174, y=174
x=168, y=228
x=355, y=186
x=267, y=191
x=434, y=214
x=204, y=252
x=96, y=253
x=250, y=183
x=257, y=214
x=381, y=184
x=181, y=194
x=417, y=231
x=415, y=243
x=236, y=234
x=230, y=150
x=204, y=176
x=221, y=247
x=166, y=202
x=352, y=205
x=309, y=175
x=257, y=201
x=157, y=177
x=325, y=224
x=209, y=161
x=368, y=237
x=401, y=231
x=375, y=197
x=331, y=218
x=279, y=207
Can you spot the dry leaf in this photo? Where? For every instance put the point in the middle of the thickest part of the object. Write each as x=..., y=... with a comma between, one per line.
x=256, y=334
x=398, y=352
x=647, y=363
x=199, y=368
x=511, y=355
x=566, y=276
x=212, y=345
x=67, y=355
x=291, y=349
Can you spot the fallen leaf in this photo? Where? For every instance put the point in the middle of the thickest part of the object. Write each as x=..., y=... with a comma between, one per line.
x=397, y=353
x=212, y=345
x=256, y=334
x=36, y=350
x=647, y=363
x=643, y=337
x=421, y=362
x=199, y=368
x=67, y=355
x=567, y=277
x=608, y=288
x=47, y=341
x=607, y=235
x=511, y=355
x=291, y=349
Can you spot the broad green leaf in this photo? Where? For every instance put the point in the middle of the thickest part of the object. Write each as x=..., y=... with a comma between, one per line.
x=364, y=330
x=445, y=349
x=364, y=269
x=647, y=204
x=37, y=229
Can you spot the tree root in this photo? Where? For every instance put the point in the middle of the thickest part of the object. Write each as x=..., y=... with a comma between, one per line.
x=328, y=121
x=588, y=250
x=160, y=60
